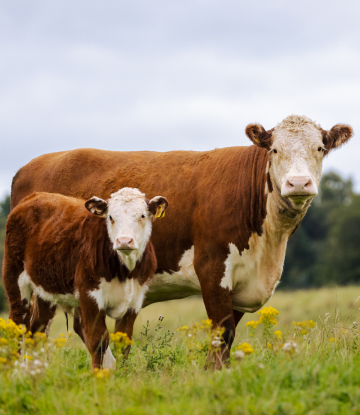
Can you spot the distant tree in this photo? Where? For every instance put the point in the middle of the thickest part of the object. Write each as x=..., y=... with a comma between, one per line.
x=5, y=207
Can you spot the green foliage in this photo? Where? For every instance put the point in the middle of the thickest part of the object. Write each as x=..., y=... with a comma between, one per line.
x=5, y=207
x=157, y=349
x=282, y=373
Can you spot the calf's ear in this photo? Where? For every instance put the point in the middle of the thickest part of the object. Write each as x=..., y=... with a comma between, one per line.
x=259, y=136
x=97, y=206
x=157, y=206
x=336, y=137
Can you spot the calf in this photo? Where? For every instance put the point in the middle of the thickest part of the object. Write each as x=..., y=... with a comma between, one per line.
x=98, y=260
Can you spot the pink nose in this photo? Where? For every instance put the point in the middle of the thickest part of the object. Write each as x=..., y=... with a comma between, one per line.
x=299, y=186
x=125, y=243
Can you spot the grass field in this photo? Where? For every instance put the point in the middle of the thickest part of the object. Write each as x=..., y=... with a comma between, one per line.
x=285, y=374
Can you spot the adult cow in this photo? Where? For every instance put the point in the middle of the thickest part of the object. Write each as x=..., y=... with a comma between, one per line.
x=233, y=210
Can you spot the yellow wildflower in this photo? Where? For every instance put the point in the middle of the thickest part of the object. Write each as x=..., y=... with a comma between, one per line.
x=267, y=315
x=331, y=339
x=278, y=334
x=28, y=357
x=3, y=341
x=245, y=347
x=253, y=324
x=3, y=360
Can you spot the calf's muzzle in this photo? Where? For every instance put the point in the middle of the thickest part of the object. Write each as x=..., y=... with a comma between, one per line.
x=125, y=243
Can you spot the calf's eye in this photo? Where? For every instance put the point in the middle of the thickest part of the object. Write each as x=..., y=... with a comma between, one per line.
x=142, y=216
x=320, y=148
x=275, y=151
x=111, y=219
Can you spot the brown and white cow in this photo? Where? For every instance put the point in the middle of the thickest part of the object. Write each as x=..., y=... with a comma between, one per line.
x=99, y=261
x=233, y=209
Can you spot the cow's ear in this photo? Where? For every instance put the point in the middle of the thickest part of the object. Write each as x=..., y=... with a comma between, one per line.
x=259, y=136
x=157, y=206
x=97, y=206
x=336, y=137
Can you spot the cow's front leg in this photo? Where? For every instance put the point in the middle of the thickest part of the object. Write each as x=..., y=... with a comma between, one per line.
x=97, y=335
x=126, y=325
x=218, y=302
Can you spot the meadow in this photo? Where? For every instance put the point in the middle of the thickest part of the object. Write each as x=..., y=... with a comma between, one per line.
x=311, y=367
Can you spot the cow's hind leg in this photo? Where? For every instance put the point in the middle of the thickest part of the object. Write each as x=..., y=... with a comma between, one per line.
x=42, y=314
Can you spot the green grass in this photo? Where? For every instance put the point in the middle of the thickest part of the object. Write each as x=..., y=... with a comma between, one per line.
x=322, y=377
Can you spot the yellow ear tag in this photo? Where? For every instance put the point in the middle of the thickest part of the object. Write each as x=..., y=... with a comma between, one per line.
x=160, y=213
x=257, y=140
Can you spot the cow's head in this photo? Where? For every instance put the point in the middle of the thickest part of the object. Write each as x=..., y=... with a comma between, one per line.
x=297, y=147
x=129, y=217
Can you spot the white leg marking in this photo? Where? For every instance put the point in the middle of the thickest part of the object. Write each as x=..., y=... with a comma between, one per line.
x=109, y=361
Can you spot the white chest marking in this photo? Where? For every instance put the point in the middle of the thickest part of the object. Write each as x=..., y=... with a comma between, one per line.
x=117, y=297
x=253, y=276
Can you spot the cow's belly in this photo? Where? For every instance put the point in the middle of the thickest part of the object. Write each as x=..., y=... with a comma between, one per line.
x=175, y=285
x=117, y=297
x=252, y=276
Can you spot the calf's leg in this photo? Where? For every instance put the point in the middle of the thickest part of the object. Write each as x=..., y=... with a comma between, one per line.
x=42, y=313
x=96, y=333
x=126, y=325
x=17, y=288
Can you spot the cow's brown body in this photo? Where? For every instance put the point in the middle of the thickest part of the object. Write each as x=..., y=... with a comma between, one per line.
x=65, y=249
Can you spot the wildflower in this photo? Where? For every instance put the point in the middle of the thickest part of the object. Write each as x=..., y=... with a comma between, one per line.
x=183, y=328
x=278, y=334
x=245, y=347
x=216, y=342
x=207, y=323
x=253, y=324
x=239, y=354
x=304, y=327
x=27, y=357
x=3, y=360
x=355, y=324
x=3, y=341
x=269, y=345
x=267, y=315
x=60, y=342
x=331, y=339
x=29, y=341
x=290, y=347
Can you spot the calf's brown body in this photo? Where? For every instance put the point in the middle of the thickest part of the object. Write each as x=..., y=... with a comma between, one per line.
x=64, y=249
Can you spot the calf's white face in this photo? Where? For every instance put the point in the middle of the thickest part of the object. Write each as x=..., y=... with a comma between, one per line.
x=297, y=147
x=129, y=219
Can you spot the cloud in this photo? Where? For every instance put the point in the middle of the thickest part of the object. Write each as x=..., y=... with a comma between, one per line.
x=181, y=76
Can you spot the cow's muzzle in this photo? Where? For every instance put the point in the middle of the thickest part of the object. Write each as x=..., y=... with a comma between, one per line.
x=299, y=189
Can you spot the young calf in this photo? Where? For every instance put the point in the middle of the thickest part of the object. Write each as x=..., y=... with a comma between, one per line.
x=98, y=260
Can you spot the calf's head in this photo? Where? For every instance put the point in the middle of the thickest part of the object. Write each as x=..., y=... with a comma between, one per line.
x=296, y=148
x=129, y=216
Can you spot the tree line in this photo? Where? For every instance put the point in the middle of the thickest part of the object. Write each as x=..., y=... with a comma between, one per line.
x=325, y=250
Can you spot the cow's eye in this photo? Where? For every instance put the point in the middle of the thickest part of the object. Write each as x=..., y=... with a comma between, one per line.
x=111, y=219
x=275, y=151
x=142, y=216
x=320, y=148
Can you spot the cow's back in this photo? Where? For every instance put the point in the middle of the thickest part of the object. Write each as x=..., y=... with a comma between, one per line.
x=202, y=187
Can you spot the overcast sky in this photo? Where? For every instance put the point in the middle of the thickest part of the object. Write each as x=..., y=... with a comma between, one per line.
x=166, y=75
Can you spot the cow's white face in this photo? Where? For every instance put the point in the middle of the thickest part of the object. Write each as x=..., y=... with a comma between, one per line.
x=297, y=147
x=129, y=219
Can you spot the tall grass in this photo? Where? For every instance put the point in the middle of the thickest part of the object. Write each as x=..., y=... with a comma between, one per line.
x=309, y=368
